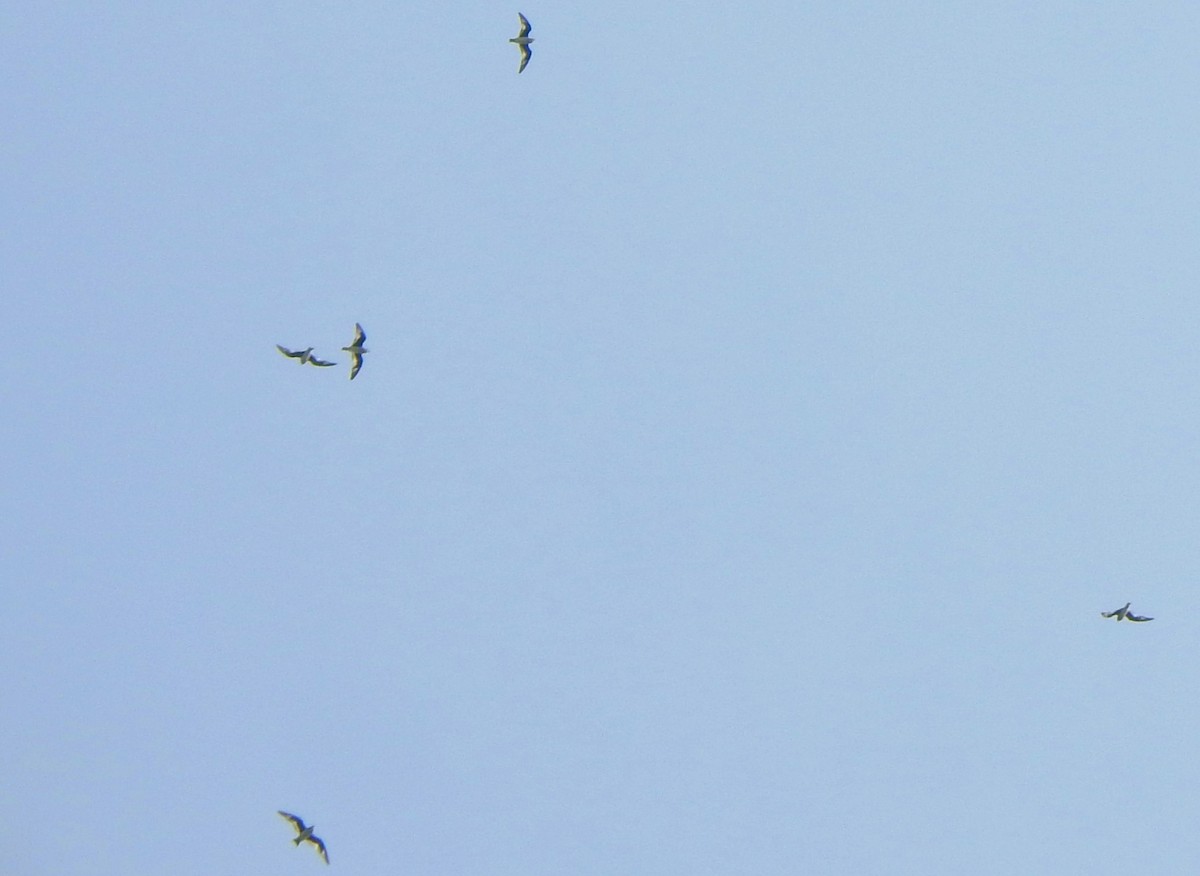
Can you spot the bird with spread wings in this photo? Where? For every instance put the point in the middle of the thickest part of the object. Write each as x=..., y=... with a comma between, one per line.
x=523, y=39
x=305, y=356
x=1123, y=613
x=356, y=350
x=304, y=834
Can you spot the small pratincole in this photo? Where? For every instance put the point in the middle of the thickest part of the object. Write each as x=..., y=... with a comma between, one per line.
x=356, y=350
x=523, y=39
x=1123, y=613
x=305, y=356
x=304, y=834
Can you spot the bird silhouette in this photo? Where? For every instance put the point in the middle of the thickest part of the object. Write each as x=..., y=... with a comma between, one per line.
x=1123, y=613
x=304, y=834
x=523, y=39
x=305, y=356
x=356, y=350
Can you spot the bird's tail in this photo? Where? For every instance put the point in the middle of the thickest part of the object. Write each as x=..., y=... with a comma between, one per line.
x=298, y=840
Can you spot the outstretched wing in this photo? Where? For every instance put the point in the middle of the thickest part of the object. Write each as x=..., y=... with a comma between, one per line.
x=1138, y=618
x=526, y=27
x=357, y=366
x=526, y=54
x=289, y=353
x=297, y=823
x=360, y=337
x=316, y=841
x=321, y=363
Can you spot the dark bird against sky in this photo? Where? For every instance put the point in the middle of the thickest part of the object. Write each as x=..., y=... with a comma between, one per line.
x=304, y=834
x=523, y=39
x=304, y=356
x=356, y=350
x=1123, y=613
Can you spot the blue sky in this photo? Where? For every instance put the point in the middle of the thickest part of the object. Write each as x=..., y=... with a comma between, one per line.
x=762, y=405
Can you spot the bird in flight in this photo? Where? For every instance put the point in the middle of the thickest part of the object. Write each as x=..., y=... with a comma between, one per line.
x=304, y=833
x=1123, y=613
x=523, y=39
x=356, y=350
x=304, y=356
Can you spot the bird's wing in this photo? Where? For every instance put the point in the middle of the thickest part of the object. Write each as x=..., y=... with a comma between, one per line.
x=1107, y=613
x=288, y=352
x=360, y=337
x=526, y=54
x=1138, y=618
x=526, y=27
x=296, y=822
x=316, y=841
x=321, y=363
x=357, y=366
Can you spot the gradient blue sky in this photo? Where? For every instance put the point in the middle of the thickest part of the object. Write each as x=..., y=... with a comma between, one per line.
x=764, y=401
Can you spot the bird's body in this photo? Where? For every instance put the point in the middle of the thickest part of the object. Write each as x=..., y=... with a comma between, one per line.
x=304, y=834
x=1123, y=613
x=356, y=350
x=523, y=39
x=304, y=356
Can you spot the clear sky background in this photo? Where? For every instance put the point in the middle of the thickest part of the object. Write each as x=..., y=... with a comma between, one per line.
x=763, y=402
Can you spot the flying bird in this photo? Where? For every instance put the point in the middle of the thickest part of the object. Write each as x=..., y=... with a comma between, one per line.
x=304, y=834
x=1123, y=613
x=356, y=350
x=304, y=356
x=523, y=39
